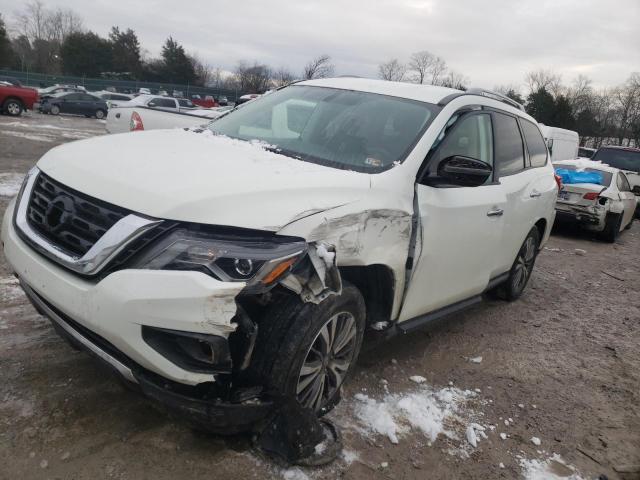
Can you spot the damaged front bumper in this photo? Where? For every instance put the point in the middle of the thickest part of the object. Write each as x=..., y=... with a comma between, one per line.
x=109, y=318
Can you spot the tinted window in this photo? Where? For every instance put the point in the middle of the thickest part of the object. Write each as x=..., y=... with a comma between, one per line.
x=185, y=103
x=619, y=158
x=339, y=128
x=72, y=97
x=88, y=98
x=508, y=145
x=120, y=97
x=470, y=137
x=535, y=144
x=163, y=102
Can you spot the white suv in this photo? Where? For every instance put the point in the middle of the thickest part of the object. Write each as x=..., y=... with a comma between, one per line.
x=222, y=268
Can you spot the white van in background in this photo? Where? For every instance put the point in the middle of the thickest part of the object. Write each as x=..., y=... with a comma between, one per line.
x=563, y=144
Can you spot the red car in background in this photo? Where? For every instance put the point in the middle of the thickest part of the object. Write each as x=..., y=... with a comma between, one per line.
x=207, y=102
x=14, y=100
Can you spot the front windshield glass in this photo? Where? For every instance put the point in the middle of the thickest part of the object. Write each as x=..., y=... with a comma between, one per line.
x=619, y=158
x=339, y=128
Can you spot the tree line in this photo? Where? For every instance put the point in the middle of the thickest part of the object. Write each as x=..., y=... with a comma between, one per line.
x=54, y=41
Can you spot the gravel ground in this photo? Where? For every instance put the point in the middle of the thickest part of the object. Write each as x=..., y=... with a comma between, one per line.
x=562, y=363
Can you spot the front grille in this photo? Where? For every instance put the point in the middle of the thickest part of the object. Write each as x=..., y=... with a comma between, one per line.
x=70, y=220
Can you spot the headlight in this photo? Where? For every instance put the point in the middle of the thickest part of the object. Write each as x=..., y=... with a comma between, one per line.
x=259, y=262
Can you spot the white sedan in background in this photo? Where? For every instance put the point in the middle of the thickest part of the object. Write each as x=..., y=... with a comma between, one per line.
x=603, y=203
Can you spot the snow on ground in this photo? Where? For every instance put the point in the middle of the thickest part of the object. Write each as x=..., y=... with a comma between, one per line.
x=28, y=136
x=553, y=468
x=10, y=289
x=10, y=184
x=425, y=410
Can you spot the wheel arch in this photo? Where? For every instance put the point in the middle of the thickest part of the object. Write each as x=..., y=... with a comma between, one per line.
x=377, y=285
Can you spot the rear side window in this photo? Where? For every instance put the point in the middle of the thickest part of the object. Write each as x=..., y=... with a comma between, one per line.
x=535, y=144
x=163, y=102
x=509, y=149
x=623, y=183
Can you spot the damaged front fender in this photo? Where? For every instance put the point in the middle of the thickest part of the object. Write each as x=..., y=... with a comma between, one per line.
x=317, y=277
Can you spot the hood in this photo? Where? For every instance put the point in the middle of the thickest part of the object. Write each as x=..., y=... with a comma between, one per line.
x=198, y=177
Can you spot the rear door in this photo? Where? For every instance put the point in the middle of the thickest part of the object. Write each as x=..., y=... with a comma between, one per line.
x=460, y=226
x=627, y=197
x=69, y=103
x=527, y=182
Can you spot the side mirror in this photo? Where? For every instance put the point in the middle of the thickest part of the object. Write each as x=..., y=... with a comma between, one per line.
x=151, y=104
x=463, y=171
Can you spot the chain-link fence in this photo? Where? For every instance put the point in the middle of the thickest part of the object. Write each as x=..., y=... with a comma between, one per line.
x=41, y=80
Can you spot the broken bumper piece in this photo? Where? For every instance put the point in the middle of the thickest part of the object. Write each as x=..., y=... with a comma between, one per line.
x=229, y=413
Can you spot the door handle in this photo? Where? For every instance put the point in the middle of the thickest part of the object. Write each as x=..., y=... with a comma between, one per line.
x=496, y=212
x=535, y=194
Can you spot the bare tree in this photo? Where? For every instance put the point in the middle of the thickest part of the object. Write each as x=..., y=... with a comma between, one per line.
x=392, y=70
x=426, y=67
x=319, y=67
x=454, y=80
x=544, y=79
x=204, y=71
x=627, y=99
x=283, y=76
x=253, y=78
x=36, y=22
x=420, y=63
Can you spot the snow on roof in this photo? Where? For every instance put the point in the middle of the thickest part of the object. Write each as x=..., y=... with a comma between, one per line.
x=413, y=91
x=582, y=163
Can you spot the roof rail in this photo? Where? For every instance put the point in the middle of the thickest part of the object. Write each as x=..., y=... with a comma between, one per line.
x=483, y=93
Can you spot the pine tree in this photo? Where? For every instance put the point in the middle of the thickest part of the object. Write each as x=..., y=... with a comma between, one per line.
x=177, y=67
x=125, y=49
x=7, y=56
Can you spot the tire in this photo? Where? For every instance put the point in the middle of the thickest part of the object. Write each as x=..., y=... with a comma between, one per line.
x=54, y=110
x=520, y=272
x=612, y=226
x=100, y=114
x=13, y=107
x=293, y=335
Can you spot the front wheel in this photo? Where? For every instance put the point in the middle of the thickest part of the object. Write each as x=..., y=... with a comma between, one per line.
x=522, y=267
x=306, y=351
x=13, y=107
x=55, y=110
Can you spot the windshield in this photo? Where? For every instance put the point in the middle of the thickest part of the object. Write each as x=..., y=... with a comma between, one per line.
x=339, y=128
x=619, y=158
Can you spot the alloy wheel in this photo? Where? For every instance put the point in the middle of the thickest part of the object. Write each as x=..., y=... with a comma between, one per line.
x=13, y=108
x=524, y=264
x=327, y=361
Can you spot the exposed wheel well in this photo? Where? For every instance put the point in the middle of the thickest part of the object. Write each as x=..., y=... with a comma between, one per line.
x=541, y=225
x=376, y=283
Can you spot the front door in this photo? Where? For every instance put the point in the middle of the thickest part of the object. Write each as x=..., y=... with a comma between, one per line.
x=460, y=227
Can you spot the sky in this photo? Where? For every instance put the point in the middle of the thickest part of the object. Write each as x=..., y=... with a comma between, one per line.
x=492, y=42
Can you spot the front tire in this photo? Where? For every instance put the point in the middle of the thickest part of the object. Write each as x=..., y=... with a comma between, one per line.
x=13, y=107
x=522, y=267
x=55, y=110
x=306, y=351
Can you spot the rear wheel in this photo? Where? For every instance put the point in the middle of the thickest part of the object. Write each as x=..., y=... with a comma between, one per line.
x=522, y=267
x=612, y=227
x=306, y=351
x=99, y=114
x=12, y=107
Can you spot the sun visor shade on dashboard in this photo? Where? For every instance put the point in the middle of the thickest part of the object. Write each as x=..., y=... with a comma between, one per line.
x=575, y=176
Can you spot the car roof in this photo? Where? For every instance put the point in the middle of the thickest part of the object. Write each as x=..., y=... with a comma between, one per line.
x=587, y=163
x=412, y=91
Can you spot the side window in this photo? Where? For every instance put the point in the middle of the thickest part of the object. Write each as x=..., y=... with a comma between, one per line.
x=73, y=97
x=509, y=147
x=535, y=144
x=471, y=137
x=623, y=183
